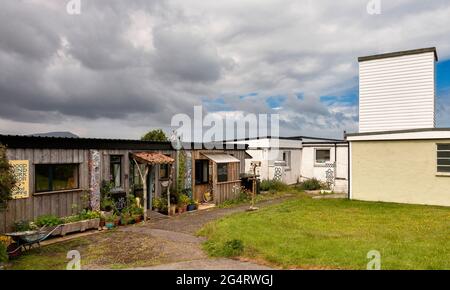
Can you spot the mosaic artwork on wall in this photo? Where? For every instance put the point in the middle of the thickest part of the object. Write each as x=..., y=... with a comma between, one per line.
x=21, y=169
x=94, y=179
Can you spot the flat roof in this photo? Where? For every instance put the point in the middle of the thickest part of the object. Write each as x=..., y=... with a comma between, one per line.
x=293, y=138
x=409, y=134
x=399, y=53
x=43, y=142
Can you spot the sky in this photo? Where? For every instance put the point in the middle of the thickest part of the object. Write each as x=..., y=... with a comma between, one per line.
x=121, y=68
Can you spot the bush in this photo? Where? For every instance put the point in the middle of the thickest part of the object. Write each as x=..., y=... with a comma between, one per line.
x=230, y=248
x=49, y=221
x=311, y=184
x=7, y=180
x=273, y=185
x=3, y=253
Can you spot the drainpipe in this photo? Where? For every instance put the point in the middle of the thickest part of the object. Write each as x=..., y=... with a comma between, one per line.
x=348, y=169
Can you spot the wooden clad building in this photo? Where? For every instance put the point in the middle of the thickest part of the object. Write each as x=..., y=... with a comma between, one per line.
x=62, y=175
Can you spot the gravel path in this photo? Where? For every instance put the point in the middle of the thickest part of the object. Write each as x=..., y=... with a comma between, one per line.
x=181, y=229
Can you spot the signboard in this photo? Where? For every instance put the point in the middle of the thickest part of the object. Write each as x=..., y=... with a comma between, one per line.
x=21, y=169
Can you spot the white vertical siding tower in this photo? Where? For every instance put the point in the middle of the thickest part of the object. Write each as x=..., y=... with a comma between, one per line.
x=397, y=90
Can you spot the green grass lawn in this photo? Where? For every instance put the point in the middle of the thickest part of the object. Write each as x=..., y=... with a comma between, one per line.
x=330, y=233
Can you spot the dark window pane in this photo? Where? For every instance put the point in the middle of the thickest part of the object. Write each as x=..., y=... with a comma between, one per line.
x=201, y=171
x=443, y=146
x=53, y=177
x=42, y=177
x=116, y=170
x=65, y=177
x=444, y=169
x=443, y=161
x=222, y=172
x=322, y=155
x=164, y=171
x=443, y=154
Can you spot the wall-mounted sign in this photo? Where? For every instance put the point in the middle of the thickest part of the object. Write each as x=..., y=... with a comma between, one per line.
x=21, y=169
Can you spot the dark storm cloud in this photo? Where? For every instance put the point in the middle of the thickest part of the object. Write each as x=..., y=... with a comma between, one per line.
x=136, y=63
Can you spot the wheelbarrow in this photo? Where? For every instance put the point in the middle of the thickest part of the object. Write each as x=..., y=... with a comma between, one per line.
x=24, y=241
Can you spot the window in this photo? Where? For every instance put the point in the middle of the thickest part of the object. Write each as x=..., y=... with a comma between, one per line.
x=164, y=171
x=54, y=177
x=222, y=172
x=116, y=170
x=443, y=158
x=201, y=171
x=287, y=158
x=322, y=156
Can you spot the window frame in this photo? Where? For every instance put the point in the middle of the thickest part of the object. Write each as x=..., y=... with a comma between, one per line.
x=438, y=166
x=315, y=156
x=288, y=161
x=227, y=173
x=120, y=168
x=202, y=161
x=51, y=170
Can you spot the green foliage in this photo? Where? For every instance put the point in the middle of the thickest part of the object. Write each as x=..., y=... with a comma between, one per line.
x=89, y=214
x=337, y=234
x=3, y=253
x=183, y=200
x=311, y=184
x=48, y=220
x=230, y=248
x=7, y=180
x=273, y=185
x=181, y=172
x=23, y=226
x=160, y=203
x=155, y=135
x=106, y=201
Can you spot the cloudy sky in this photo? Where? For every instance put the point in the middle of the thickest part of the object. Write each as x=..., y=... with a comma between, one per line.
x=122, y=67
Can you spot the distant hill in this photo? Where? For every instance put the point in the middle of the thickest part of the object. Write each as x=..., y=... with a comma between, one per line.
x=56, y=134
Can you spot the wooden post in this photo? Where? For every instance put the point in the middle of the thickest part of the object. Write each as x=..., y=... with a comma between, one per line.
x=144, y=185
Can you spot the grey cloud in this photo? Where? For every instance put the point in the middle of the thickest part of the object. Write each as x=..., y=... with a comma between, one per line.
x=88, y=68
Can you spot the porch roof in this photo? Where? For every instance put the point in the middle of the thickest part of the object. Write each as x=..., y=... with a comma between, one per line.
x=153, y=158
x=221, y=157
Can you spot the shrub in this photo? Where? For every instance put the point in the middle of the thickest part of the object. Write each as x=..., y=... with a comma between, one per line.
x=48, y=220
x=311, y=184
x=273, y=185
x=3, y=253
x=232, y=248
x=7, y=180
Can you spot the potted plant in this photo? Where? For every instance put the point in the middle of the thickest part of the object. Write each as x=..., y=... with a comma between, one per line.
x=110, y=221
x=192, y=205
x=183, y=201
x=138, y=213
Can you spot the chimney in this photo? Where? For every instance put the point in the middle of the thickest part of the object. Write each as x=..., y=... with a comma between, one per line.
x=397, y=90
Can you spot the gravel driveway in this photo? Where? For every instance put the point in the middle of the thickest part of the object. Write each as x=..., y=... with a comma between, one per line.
x=181, y=229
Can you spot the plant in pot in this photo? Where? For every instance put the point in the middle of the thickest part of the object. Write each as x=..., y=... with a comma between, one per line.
x=192, y=205
x=110, y=221
x=138, y=213
x=183, y=201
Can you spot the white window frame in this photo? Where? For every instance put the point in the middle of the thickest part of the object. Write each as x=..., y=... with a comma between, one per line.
x=441, y=158
x=318, y=164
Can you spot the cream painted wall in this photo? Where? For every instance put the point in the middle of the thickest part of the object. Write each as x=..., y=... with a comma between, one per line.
x=398, y=171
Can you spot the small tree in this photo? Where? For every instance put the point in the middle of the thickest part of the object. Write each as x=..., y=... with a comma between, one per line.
x=7, y=180
x=155, y=135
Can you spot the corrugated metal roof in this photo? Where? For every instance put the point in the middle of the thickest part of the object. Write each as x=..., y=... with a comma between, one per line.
x=221, y=158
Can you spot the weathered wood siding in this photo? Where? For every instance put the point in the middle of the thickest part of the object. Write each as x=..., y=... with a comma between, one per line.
x=224, y=190
x=56, y=203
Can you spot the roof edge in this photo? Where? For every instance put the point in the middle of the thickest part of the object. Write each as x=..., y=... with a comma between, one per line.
x=400, y=53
